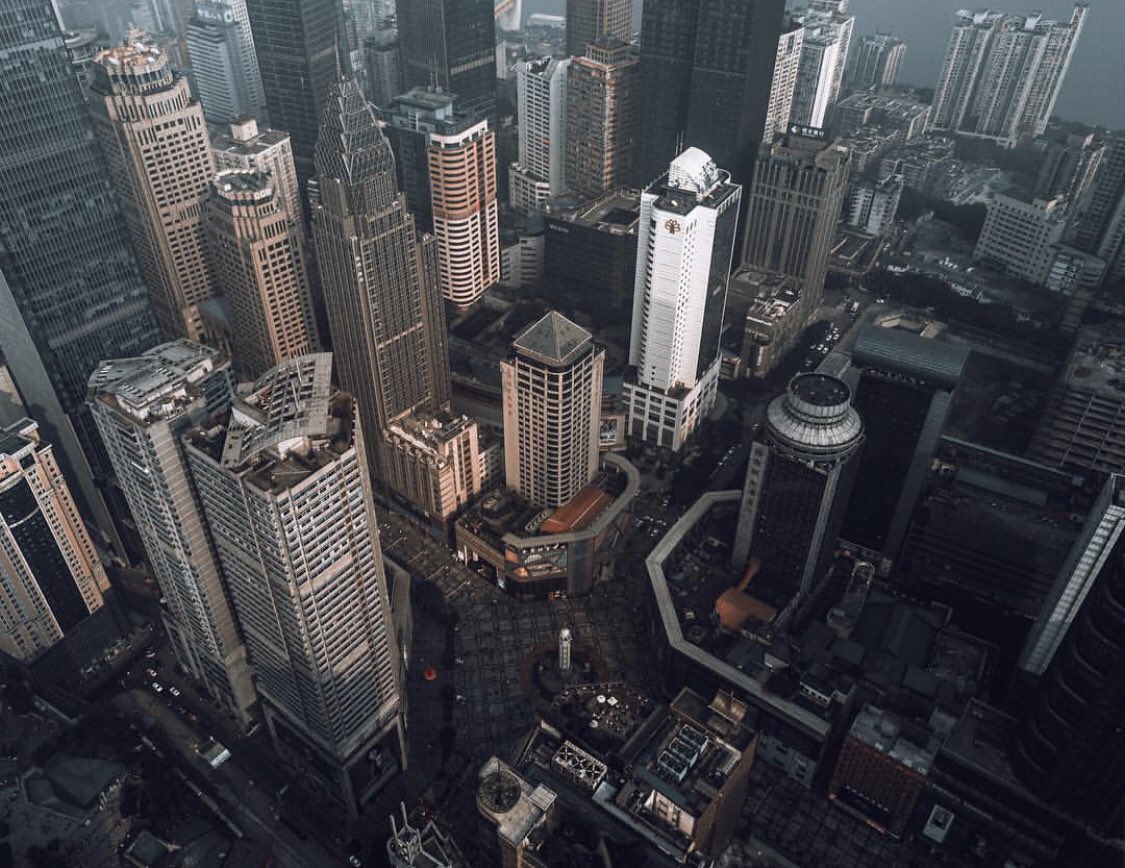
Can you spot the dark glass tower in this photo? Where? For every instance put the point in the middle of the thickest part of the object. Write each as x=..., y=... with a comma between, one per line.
x=300, y=55
x=380, y=280
x=706, y=72
x=451, y=45
x=70, y=293
x=904, y=396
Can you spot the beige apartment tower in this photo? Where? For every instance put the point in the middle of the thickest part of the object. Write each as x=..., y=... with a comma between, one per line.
x=466, y=212
x=50, y=575
x=258, y=261
x=156, y=145
x=552, y=394
x=244, y=146
x=601, y=105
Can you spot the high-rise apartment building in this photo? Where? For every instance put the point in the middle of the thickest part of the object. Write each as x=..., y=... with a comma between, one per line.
x=154, y=136
x=300, y=56
x=798, y=483
x=876, y=61
x=223, y=65
x=795, y=201
x=541, y=98
x=590, y=20
x=684, y=249
x=450, y=45
x=51, y=578
x=904, y=395
x=1071, y=752
x=601, y=94
x=70, y=292
x=1002, y=73
x=283, y=485
x=257, y=257
x=552, y=393
x=1099, y=227
x=871, y=206
x=463, y=202
x=705, y=68
x=824, y=54
x=1069, y=167
x=142, y=406
x=382, y=286
x=784, y=85
x=270, y=152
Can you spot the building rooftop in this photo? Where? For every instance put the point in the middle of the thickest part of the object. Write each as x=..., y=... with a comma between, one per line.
x=554, y=340
x=158, y=384
x=937, y=362
x=244, y=138
x=815, y=414
x=431, y=432
x=890, y=735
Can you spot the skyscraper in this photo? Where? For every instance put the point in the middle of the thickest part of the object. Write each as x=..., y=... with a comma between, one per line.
x=409, y=120
x=384, y=65
x=589, y=20
x=784, y=84
x=795, y=201
x=451, y=45
x=541, y=96
x=223, y=65
x=904, y=395
x=876, y=61
x=300, y=56
x=257, y=256
x=154, y=136
x=684, y=249
x=828, y=36
x=284, y=488
x=1099, y=227
x=705, y=69
x=552, y=393
x=1071, y=750
x=463, y=201
x=601, y=95
x=52, y=578
x=1003, y=73
x=70, y=293
x=798, y=482
x=380, y=279
x=142, y=406
x=267, y=151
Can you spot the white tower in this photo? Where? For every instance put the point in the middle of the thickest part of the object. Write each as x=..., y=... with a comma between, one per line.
x=564, y=650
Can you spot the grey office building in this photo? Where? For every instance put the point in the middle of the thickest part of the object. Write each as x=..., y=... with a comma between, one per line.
x=70, y=292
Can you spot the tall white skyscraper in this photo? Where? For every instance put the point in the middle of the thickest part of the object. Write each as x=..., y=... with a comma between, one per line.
x=282, y=479
x=684, y=248
x=141, y=406
x=541, y=170
x=224, y=68
x=784, y=85
x=1003, y=73
x=824, y=53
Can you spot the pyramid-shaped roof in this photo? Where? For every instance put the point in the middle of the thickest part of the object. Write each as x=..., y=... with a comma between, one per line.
x=553, y=340
x=351, y=147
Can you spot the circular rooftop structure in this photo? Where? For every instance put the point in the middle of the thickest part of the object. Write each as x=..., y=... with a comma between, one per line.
x=815, y=416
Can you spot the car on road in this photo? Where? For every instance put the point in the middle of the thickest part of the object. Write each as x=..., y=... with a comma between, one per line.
x=157, y=687
x=150, y=652
x=151, y=673
x=174, y=691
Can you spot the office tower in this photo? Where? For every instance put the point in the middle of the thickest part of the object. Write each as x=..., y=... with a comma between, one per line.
x=258, y=260
x=1069, y=167
x=1071, y=751
x=705, y=69
x=380, y=280
x=828, y=36
x=876, y=61
x=904, y=395
x=300, y=56
x=384, y=65
x=601, y=92
x=1020, y=236
x=784, y=83
x=552, y=393
x=795, y=201
x=270, y=152
x=142, y=406
x=408, y=122
x=871, y=206
x=463, y=202
x=450, y=45
x=684, y=250
x=154, y=136
x=541, y=99
x=51, y=578
x=798, y=483
x=590, y=20
x=283, y=484
x=70, y=293
x=223, y=65
x=1002, y=73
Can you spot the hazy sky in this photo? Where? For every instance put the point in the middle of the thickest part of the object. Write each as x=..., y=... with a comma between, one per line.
x=1095, y=87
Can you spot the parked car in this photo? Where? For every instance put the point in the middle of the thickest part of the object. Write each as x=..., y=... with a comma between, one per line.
x=157, y=688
